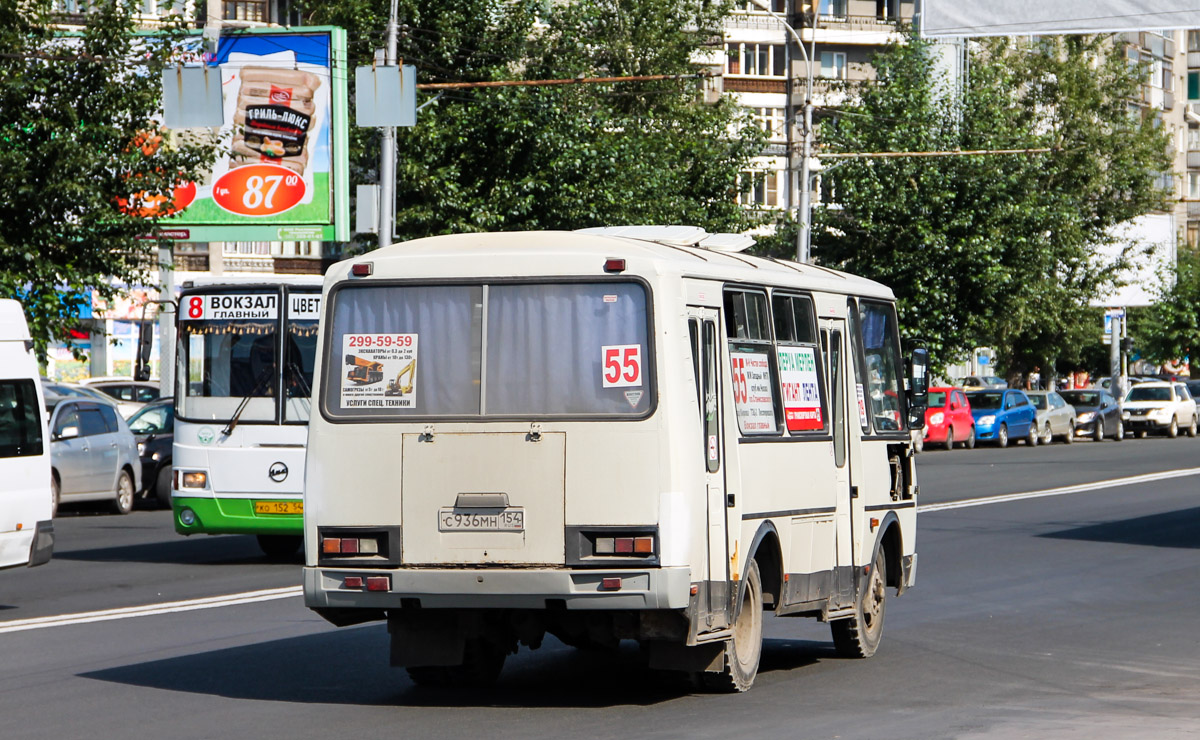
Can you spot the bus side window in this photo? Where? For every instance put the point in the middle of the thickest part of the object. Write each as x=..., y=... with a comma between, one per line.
x=799, y=370
x=694, y=336
x=712, y=425
x=881, y=347
x=836, y=391
x=753, y=373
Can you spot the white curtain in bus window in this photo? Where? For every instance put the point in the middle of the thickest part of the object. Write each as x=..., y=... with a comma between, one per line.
x=567, y=348
x=445, y=321
x=882, y=354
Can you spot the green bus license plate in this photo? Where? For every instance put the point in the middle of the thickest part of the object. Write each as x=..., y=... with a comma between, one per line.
x=278, y=507
x=460, y=520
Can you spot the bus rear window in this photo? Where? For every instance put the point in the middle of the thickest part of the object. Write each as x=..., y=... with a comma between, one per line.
x=508, y=350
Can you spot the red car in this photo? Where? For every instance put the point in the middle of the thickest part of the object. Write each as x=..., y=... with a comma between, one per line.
x=948, y=419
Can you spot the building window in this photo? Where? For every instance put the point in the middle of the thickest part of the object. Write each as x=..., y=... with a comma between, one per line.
x=759, y=189
x=760, y=60
x=1168, y=76
x=1193, y=138
x=749, y=6
x=832, y=8
x=771, y=120
x=1193, y=185
x=887, y=10
x=1193, y=40
x=833, y=65
x=1193, y=234
x=245, y=10
x=1193, y=78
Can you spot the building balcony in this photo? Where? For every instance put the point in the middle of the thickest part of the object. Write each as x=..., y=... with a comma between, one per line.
x=755, y=85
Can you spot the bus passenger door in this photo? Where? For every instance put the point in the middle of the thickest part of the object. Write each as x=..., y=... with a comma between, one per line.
x=702, y=327
x=833, y=332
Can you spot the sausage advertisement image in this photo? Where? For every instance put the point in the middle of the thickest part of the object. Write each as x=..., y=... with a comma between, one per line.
x=274, y=112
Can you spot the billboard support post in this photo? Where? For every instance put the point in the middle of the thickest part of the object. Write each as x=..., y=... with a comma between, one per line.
x=387, y=153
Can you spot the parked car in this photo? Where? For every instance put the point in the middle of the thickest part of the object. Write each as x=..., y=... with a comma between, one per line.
x=1001, y=415
x=1160, y=407
x=948, y=419
x=1097, y=413
x=983, y=382
x=1193, y=387
x=51, y=388
x=1055, y=417
x=153, y=426
x=130, y=394
x=93, y=455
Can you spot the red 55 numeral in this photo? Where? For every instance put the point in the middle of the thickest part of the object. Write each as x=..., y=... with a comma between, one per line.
x=622, y=365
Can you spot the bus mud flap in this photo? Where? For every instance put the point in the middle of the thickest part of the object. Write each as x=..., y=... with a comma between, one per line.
x=425, y=640
x=674, y=656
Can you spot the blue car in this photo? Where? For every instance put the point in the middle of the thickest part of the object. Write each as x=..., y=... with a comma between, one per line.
x=1001, y=415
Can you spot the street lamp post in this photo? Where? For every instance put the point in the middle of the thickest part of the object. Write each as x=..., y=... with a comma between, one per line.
x=804, y=238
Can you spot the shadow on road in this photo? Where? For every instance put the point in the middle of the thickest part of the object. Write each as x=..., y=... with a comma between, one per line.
x=350, y=667
x=202, y=550
x=1170, y=529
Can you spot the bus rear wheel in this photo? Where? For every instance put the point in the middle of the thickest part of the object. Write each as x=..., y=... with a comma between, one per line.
x=744, y=650
x=859, y=636
x=279, y=546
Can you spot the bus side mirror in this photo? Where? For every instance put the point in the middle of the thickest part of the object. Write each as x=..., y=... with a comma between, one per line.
x=145, y=344
x=918, y=388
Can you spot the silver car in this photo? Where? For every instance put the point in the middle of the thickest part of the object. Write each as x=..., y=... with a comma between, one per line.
x=1055, y=417
x=93, y=455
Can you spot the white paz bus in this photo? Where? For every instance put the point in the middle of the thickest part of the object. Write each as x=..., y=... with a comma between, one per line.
x=628, y=433
x=244, y=368
x=26, y=497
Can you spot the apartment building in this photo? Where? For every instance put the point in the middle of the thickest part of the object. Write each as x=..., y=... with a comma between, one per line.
x=768, y=74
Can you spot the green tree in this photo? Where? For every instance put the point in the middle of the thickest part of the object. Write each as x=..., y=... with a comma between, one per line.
x=1170, y=329
x=559, y=157
x=999, y=250
x=80, y=155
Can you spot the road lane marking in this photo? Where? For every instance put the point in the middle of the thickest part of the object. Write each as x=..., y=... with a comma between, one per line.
x=170, y=607
x=1062, y=491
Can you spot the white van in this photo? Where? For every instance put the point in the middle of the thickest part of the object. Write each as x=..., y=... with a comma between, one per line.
x=26, y=526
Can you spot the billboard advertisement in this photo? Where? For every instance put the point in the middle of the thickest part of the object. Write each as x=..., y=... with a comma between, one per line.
x=955, y=18
x=282, y=174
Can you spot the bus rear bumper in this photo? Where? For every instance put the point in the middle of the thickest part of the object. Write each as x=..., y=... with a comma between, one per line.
x=194, y=515
x=527, y=588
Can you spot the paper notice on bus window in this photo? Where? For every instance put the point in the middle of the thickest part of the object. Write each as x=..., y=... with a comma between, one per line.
x=752, y=392
x=801, y=389
x=304, y=306
x=379, y=371
x=862, y=406
x=231, y=307
x=621, y=365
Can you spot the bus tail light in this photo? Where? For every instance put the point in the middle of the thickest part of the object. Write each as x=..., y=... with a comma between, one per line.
x=353, y=582
x=350, y=546
x=379, y=583
x=636, y=546
x=614, y=264
x=610, y=584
